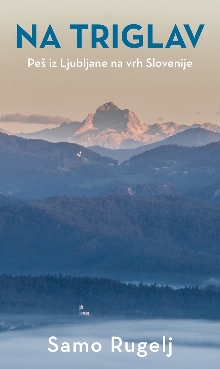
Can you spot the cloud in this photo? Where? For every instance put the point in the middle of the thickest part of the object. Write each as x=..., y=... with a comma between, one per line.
x=218, y=112
x=161, y=118
x=34, y=119
x=201, y=112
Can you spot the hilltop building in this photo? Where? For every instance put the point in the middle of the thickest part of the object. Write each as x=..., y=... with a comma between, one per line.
x=82, y=311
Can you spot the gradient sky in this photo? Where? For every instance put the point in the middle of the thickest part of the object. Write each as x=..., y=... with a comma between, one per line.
x=155, y=95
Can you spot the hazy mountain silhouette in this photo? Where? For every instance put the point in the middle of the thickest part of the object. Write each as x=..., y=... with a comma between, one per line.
x=190, y=137
x=114, y=128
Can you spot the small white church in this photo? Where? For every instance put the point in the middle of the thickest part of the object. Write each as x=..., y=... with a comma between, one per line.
x=82, y=311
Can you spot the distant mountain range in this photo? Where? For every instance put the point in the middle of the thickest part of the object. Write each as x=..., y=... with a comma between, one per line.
x=39, y=169
x=115, y=236
x=154, y=214
x=113, y=128
x=190, y=137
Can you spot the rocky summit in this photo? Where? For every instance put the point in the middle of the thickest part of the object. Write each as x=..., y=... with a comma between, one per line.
x=113, y=128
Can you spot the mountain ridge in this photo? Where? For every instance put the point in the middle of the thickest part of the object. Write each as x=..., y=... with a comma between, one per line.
x=189, y=137
x=39, y=169
x=114, y=128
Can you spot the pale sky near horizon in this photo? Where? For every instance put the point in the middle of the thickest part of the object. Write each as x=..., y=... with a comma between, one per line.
x=155, y=95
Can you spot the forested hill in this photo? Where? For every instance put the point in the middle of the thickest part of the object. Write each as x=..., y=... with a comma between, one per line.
x=105, y=297
x=62, y=152
x=191, y=157
x=187, y=168
x=116, y=236
x=37, y=168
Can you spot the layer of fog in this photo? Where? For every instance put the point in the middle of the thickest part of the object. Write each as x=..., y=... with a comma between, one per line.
x=195, y=344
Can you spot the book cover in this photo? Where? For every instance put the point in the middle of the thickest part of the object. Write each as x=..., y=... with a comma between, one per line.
x=109, y=184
